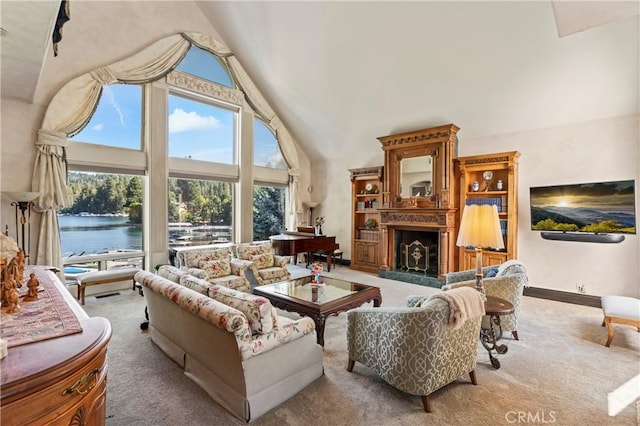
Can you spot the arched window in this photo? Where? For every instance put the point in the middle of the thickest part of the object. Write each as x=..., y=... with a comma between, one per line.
x=205, y=65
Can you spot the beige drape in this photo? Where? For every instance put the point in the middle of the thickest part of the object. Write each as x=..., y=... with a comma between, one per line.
x=72, y=107
x=287, y=143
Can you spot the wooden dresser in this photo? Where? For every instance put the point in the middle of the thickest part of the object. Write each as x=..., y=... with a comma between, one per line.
x=59, y=381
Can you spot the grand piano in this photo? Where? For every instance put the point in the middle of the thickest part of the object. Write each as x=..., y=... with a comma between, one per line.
x=290, y=243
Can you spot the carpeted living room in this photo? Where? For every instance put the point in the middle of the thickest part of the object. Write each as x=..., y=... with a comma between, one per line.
x=338, y=212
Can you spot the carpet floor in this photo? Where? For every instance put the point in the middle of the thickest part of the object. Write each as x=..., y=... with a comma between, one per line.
x=559, y=373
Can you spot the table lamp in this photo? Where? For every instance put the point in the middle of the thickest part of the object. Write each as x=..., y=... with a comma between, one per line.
x=480, y=227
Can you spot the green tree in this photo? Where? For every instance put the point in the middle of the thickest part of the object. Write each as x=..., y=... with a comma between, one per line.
x=268, y=211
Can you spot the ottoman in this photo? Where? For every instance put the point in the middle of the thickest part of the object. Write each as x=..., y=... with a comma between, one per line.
x=620, y=310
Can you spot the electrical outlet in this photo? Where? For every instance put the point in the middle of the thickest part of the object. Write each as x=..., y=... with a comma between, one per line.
x=581, y=288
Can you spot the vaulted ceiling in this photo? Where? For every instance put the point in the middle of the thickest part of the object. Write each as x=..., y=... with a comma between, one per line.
x=341, y=74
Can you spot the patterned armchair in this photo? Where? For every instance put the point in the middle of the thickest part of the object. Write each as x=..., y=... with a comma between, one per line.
x=265, y=266
x=412, y=348
x=506, y=281
x=215, y=265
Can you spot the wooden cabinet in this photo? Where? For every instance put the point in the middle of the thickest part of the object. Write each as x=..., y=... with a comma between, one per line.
x=496, y=176
x=59, y=381
x=366, y=184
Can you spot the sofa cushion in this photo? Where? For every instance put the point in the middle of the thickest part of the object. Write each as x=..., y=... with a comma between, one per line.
x=171, y=273
x=197, y=284
x=193, y=258
x=273, y=274
x=264, y=260
x=232, y=281
x=247, y=251
x=216, y=268
x=257, y=309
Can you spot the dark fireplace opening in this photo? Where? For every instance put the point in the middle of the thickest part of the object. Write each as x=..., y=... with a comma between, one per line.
x=416, y=252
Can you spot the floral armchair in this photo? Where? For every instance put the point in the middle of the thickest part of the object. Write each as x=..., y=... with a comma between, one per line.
x=215, y=265
x=265, y=267
x=413, y=348
x=506, y=281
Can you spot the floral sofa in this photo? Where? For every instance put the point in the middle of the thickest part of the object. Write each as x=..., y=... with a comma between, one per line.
x=266, y=266
x=232, y=344
x=215, y=264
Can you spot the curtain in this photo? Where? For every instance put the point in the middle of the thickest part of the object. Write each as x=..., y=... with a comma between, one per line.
x=286, y=142
x=68, y=112
x=72, y=107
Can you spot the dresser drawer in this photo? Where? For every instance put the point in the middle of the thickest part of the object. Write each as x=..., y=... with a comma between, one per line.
x=78, y=394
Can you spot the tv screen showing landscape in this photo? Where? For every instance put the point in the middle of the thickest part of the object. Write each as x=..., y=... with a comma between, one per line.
x=603, y=207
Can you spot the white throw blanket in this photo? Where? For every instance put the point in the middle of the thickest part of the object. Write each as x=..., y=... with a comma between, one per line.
x=464, y=303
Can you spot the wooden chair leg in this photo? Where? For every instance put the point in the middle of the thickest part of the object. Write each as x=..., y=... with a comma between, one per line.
x=610, y=331
x=425, y=403
x=514, y=333
x=603, y=321
x=350, y=365
x=472, y=374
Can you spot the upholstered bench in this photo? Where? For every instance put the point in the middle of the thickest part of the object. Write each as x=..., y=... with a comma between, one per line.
x=104, y=277
x=620, y=310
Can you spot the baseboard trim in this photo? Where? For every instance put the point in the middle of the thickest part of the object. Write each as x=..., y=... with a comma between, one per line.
x=563, y=296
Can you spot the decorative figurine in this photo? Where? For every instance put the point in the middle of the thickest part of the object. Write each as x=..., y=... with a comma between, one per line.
x=8, y=285
x=32, y=285
x=12, y=301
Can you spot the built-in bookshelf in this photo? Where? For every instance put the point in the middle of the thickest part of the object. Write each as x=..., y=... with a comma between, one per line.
x=491, y=179
x=366, y=184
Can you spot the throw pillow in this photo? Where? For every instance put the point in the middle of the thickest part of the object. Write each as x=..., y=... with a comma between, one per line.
x=197, y=284
x=216, y=268
x=257, y=309
x=502, y=269
x=491, y=272
x=262, y=260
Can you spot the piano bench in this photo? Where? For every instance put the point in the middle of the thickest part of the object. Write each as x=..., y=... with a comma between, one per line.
x=337, y=253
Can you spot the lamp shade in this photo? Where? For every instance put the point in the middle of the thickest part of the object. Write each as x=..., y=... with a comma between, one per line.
x=480, y=227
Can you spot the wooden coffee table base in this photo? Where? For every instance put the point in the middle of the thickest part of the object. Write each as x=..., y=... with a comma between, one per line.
x=320, y=313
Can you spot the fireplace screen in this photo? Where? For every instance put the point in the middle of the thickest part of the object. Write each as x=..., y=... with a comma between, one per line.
x=414, y=257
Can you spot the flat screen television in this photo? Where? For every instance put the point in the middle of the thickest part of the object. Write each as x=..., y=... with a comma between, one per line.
x=600, y=208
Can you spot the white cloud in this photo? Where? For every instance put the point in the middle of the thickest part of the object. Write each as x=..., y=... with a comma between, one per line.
x=114, y=104
x=182, y=121
x=98, y=127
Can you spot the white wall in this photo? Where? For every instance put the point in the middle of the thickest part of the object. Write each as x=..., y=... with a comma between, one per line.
x=595, y=151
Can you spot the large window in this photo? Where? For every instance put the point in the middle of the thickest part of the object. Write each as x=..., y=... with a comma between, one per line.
x=201, y=131
x=200, y=211
x=268, y=211
x=117, y=120
x=105, y=214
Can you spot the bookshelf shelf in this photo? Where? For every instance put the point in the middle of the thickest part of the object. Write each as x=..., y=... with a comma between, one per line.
x=504, y=166
x=365, y=237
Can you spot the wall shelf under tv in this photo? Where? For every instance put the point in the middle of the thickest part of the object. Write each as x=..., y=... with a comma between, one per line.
x=582, y=237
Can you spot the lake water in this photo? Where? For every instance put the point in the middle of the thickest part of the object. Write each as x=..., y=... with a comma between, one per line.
x=95, y=234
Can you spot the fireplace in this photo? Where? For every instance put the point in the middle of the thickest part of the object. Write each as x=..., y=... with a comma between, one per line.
x=416, y=252
x=418, y=229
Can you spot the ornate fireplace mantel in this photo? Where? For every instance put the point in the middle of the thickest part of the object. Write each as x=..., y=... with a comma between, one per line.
x=433, y=210
x=442, y=221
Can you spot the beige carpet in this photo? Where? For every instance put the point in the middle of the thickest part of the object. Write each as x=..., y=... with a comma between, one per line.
x=559, y=373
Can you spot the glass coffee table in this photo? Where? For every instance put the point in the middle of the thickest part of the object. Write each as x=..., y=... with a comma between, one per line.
x=319, y=301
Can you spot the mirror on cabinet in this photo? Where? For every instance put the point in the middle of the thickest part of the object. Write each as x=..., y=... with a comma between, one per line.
x=416, y=176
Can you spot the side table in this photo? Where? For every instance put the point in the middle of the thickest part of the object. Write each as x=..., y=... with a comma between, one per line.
x=494, y=308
